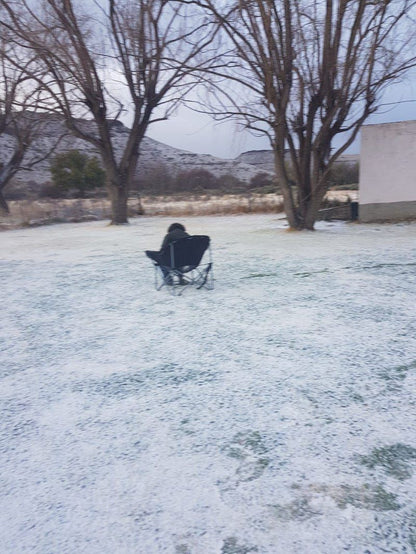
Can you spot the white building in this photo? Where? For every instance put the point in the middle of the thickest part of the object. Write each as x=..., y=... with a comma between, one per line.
x=388, y=172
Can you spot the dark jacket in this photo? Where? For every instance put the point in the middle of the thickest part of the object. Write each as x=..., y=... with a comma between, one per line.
x=176, y=234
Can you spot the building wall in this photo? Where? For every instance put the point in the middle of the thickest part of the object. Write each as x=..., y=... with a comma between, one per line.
x=388, y=171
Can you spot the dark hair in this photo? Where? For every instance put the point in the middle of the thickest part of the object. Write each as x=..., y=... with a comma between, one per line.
x=175, y=226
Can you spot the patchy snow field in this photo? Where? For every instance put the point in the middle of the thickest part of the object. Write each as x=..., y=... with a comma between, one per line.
x=275, y=414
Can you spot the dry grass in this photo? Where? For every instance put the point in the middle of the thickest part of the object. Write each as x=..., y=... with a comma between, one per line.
x=213, y=205
x=26, y=213
x=30, y=213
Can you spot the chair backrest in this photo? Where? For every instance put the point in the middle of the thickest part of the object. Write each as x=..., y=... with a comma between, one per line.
x=187, y=252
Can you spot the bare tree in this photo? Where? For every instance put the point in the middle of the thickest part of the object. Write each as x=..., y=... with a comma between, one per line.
x=112, y=59
x=306, y=72
x=20, y=104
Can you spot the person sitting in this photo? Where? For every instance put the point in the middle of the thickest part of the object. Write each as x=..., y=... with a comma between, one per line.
x=175, y=232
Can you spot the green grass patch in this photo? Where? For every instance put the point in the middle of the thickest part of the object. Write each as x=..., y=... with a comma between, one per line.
x=395, y=460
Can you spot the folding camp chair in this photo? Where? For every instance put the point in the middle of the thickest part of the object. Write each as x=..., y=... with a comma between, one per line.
x=181, y=264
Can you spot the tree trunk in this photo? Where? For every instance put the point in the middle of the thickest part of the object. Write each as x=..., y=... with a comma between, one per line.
x=312, y=210
x=3, y=204
x=7, y=172
x=140, y=209
x=283, y=181
x=289, y=207
x=118, y=192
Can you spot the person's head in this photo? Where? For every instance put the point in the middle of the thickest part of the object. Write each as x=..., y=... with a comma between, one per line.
x=176, y=226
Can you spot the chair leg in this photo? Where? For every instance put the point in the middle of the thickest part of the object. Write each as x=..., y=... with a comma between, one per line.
x=177, y=281
x=206, y=278
x=162, y=278
x=159, y=280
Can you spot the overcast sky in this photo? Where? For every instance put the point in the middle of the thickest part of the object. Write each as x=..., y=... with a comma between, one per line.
x=198, y=133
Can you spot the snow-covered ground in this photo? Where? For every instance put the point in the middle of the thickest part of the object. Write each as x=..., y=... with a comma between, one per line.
x=275, y=414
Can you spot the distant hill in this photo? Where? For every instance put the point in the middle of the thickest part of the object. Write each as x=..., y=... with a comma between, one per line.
x=153, y=154
x=263, y=159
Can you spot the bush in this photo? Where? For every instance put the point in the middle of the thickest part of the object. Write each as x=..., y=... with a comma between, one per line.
x=74, y=170
x=343, y=175
x=229, y=184
x=263, y=183
x=50, y=190
x=156, y=180
x=195, y=180
x=163, y=180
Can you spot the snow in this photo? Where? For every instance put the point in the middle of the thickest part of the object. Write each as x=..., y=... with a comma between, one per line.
x=274, y=414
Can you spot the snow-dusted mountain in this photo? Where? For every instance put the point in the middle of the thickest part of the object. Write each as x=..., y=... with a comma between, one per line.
x=153, y=154
x=263, y=159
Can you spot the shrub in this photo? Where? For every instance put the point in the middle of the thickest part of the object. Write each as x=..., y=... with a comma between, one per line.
x=75, y=170
x=50, y=190
x=343, y=174
x=164, y=180
x=195, y=180
x=157, y=180
x=230, y=184
x=263, y=183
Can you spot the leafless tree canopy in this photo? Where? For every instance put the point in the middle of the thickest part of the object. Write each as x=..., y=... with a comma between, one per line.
x=21, y=101
x=304, y=72
x=114, y=58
